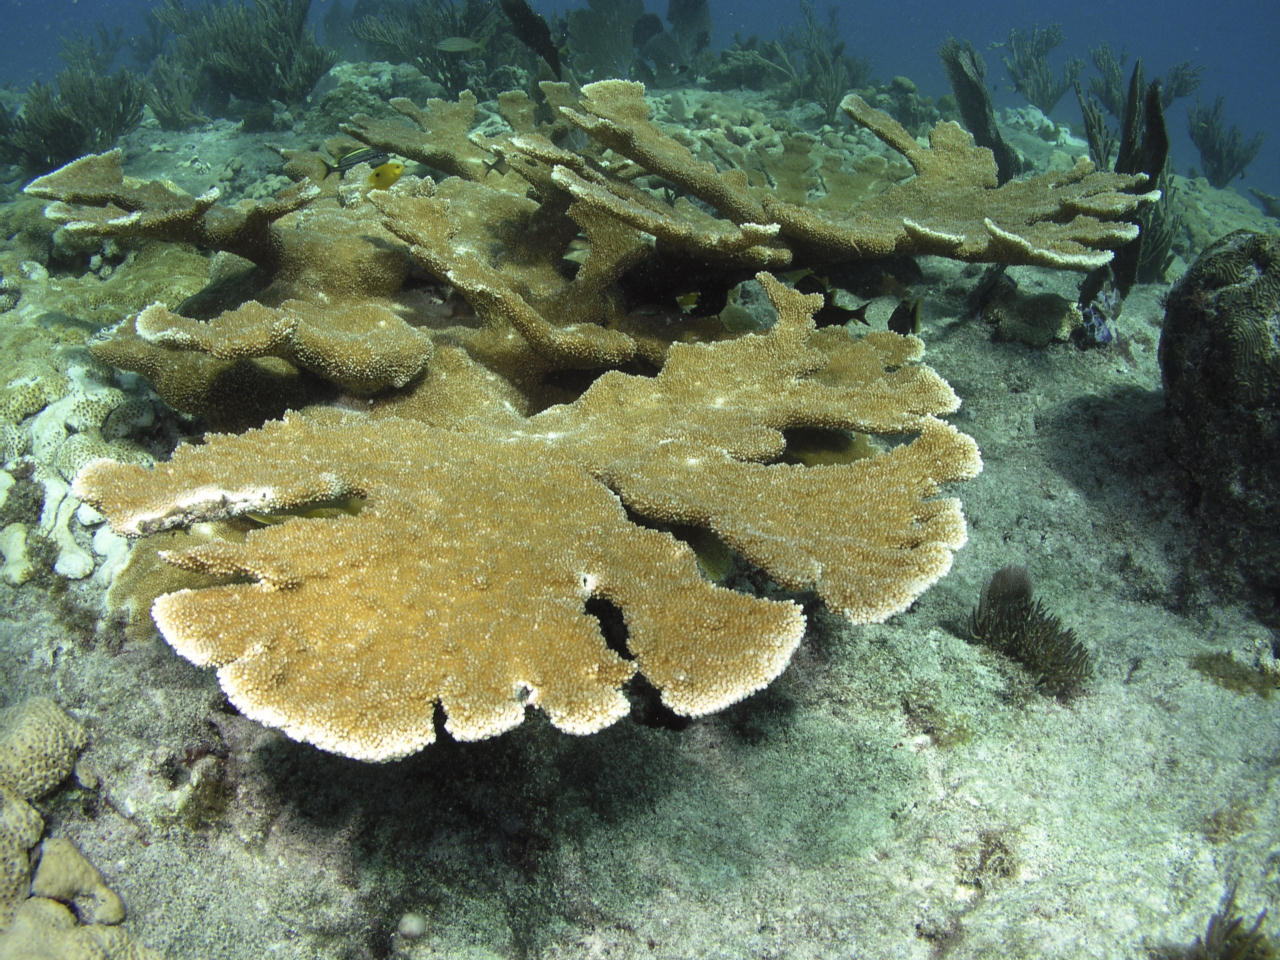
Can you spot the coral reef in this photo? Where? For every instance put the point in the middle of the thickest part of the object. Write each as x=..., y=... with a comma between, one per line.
x=480, y=544
x=448, y=446
x=316, y=246
x=361, y=347
x=522, y=382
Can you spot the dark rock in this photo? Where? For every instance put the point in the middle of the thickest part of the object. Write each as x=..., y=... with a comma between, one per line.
x=1220, y=361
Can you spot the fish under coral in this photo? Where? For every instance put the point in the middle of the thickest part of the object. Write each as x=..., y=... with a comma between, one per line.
x=385, y=174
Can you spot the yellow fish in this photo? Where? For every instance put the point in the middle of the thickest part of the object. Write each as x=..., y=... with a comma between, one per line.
x=384, y=175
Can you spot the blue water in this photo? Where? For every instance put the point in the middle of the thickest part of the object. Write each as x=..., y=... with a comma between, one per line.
x=1234, y=40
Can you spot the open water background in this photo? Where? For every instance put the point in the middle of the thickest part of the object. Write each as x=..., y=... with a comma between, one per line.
x=1236, y=41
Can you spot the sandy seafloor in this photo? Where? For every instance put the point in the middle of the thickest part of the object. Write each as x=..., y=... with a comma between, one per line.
x=898, y=793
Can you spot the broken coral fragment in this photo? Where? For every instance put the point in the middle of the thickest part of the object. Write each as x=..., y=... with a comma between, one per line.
x=464, y=579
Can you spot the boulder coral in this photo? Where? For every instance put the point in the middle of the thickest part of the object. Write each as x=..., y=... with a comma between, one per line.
x=39, y=746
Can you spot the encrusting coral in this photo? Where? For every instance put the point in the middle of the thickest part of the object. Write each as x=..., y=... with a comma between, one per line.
x=464, y=577
x=39, y=744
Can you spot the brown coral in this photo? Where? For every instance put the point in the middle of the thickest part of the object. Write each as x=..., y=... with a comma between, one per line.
x=363, y=347
x=93, y=196
x=39, y=744
x=954, y=208
x=464, y=578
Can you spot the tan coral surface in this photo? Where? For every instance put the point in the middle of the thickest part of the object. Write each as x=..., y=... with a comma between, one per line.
x=463, y=579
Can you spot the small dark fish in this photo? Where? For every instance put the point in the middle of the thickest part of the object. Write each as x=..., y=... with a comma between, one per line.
x=905, y=318
x=860, y=314
x=500, y=166
x=369, y=155
x=829, y=314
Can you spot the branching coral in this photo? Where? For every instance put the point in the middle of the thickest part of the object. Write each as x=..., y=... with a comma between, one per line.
x=93, y=196
x=362, y=348
x=486, y=528
x=498, y=227
x=464, y=578
x=952, y=207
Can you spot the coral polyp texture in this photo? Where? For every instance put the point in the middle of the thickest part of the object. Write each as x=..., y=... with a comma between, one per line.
x=509, y=210
x=452, y=353
x=464, y=578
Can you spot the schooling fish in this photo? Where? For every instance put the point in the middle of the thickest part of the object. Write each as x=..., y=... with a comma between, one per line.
x=384, y=175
